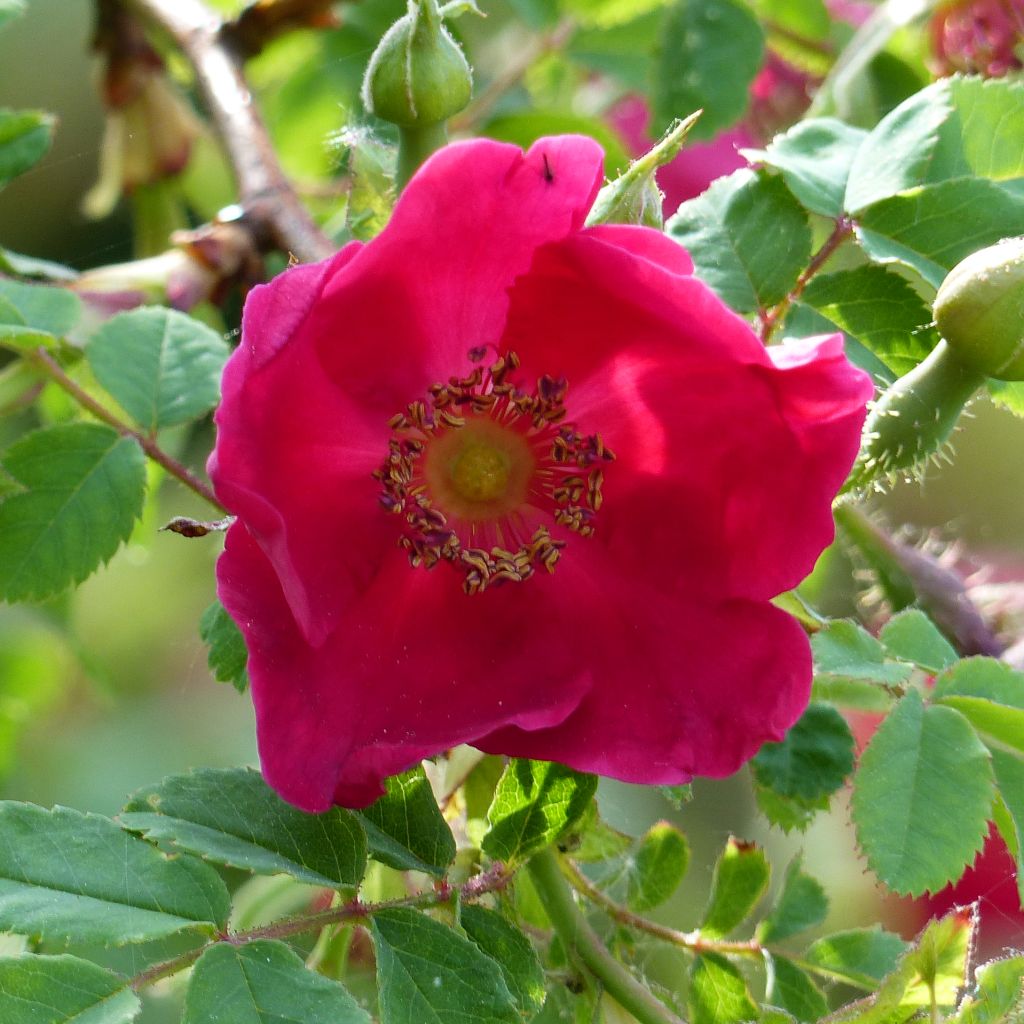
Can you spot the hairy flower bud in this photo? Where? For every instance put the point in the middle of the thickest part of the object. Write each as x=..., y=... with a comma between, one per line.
x=979, y=310
x=418, y=74
x=634, y=197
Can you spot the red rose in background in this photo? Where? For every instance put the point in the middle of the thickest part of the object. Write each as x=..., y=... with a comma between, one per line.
x=507, y=481
x=982, y=37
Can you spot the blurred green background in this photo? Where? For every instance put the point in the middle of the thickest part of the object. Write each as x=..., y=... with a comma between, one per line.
x=107, y=689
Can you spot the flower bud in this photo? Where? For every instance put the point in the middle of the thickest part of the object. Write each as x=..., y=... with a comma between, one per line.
x=911, y=422
x=979, y=310
x=418, y=74
x=634, y=197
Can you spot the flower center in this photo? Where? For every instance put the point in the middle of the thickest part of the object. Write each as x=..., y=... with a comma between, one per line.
x=483, y=470
x=480, y=472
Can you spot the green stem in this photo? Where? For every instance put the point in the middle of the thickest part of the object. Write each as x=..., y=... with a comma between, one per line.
x=911, y=422
x=492, y=880
x=581, y=940
x=415, y=144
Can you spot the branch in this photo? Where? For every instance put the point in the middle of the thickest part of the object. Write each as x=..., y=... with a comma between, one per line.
x=692, y=941
x=270, y=202
x=264, y=20
x=493, y=879
x=581, y=942
x=44, y=361
x=770, y=319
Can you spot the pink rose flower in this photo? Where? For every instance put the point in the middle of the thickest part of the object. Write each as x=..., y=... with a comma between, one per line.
x=504, y=480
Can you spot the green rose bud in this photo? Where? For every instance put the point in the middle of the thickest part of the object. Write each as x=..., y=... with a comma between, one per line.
x=633, y=197
x=418, y=75
x=979, y=310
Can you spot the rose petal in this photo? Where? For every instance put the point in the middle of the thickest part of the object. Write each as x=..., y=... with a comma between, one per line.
x=742, y=448
x=681, y=690
x=416, y=667
x=433, y=285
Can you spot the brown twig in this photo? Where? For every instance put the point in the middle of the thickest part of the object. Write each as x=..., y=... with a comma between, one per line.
x=45, y=362
x=264, y=20
x=771, y=318
x=270, y=202
x=493, y=879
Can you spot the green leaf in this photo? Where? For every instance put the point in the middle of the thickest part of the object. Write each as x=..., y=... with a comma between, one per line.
x=814, y=758
x=1009, y=771
x=84, y=487
x=814, y=157
x=748, y=236
x=708, y=53
x=264, y=982
x=989, y=694
x=801, y=904
x=934, y=227
x=988, y=678
x=370, y=166
x=11, y=9
x=998, y=992
x=912, y=636
x=1007, y=395
x=36, y=314
x=990, y=124
x=405, y=828
x=939, y=960
x=922, y=796
x=718, y=994
x=231, y=816
x=25, y=136
x=844, y=650
x=657, y=866
x=162, y=366
x=535, y=802
x=788, y=813
x=525, y=127
x=227, y=656
x=740, y=880
x=953, y=128
x=63, y=990
x=791, y=989
x=512, y=951
x=78, y=877
x=428, y=974
x=928, y=975
x=878, y=308
x=862, y=956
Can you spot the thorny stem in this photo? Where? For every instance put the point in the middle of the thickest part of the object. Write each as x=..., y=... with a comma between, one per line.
x=493, y=879
x=694, y=942
x=939, y=591
x=44, y=361
x=480, y=107
x=583, y=943
x=771, y=318
x=266, y=194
